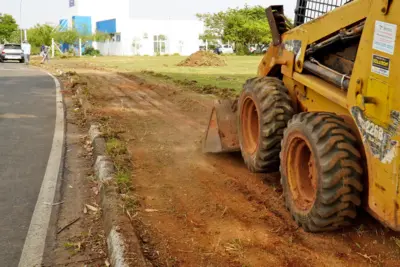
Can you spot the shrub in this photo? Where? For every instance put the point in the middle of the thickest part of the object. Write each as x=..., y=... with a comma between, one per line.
x=90, y=51
x=241, y=50
x=35, y=50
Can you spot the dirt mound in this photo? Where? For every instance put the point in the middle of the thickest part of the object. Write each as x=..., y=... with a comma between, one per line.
x=203, y=58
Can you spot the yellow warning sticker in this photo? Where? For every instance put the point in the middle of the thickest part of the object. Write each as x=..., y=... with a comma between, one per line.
x=380, y=65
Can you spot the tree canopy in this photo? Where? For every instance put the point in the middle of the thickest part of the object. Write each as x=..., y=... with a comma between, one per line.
x=40, y=34
x=241, y=26
x=15, y=37
x=69, y=36
x=8, y=25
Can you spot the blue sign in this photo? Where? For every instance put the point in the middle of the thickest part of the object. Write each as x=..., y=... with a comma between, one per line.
x=71, y=3
x=63, y=25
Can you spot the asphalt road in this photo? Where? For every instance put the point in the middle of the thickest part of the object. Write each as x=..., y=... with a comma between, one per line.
x=27, y=120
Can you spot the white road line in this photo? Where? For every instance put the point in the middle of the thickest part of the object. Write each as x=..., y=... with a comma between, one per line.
x=32, y=253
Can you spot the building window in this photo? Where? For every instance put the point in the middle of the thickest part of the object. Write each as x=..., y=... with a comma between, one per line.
x=136, y=46
x=160, y=44
x=145, y=36
x=118, y=37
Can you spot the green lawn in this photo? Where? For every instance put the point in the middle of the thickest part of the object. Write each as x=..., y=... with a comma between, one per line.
x=238, y=69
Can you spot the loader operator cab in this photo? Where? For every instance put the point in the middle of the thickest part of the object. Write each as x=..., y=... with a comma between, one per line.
x=324, y=111
x=309, y=10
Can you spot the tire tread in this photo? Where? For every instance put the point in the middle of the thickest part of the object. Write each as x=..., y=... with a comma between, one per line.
x=339, y=193
x=275, y=112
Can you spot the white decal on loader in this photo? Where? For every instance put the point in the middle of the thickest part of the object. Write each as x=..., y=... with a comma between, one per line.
x=378, y=138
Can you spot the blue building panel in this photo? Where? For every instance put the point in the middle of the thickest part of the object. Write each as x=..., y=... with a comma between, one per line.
x=82, y=24
x=107, y=26
x=63, y=24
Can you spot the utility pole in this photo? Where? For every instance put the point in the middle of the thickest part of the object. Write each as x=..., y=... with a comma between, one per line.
x=20, y=18
x=52, y=48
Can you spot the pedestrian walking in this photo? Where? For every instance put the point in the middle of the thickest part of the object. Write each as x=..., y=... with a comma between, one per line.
x=42, y=50
x=45, y=56
x=26, y=47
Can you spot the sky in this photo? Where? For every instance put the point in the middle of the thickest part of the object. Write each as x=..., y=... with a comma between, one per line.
x=50, y=11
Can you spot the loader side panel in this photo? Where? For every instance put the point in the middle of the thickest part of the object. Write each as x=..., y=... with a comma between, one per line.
x=374, y=102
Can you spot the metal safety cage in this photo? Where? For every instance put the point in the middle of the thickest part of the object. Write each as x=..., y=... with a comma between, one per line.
x=307, y=10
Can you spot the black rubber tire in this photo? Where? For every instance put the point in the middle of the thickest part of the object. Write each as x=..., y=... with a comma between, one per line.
x=338, y=168
x=275, y=110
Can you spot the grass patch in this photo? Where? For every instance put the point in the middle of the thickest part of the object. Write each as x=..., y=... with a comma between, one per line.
x=74, y=248
x=124, y=182
x=131, y=204
x=115, y=147
x=118, y=152
x=232, y=76
x=195, y=85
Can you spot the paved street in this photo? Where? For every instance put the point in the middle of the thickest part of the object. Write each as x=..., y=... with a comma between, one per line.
x=27, y=119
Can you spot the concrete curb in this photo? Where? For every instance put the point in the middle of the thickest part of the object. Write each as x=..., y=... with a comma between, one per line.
x=104, y=168
x=105, y=171
x=116, y=248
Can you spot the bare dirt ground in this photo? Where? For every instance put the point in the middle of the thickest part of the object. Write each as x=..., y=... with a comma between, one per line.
x=79, y=239
x=207, y=210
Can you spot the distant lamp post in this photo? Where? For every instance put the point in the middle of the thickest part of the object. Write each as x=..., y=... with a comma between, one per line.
x=20, y=18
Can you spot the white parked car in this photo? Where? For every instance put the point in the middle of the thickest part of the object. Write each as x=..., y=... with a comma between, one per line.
x=258, y=49
x=12, y=52
x=224, y=49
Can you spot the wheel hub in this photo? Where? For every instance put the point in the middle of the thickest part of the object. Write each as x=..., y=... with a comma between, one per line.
x=250, y=125
x=301, y=172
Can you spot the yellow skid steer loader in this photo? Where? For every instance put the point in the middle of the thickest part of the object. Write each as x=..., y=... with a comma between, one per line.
x=324, y=111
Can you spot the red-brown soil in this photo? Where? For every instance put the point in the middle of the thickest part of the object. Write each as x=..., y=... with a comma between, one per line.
x=203, y=58
x=208, y=210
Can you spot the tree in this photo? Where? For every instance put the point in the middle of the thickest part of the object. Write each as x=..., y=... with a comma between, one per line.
x=69, y=36
x=243, y=27
x=15, y=37
x=40, y=35
x=215, y=24
x=8, y=25
x=99, y=37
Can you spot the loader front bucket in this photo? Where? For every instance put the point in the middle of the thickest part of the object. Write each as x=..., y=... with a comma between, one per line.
x=222, y=135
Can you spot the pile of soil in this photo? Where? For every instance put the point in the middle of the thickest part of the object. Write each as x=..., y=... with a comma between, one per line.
x=203, y=58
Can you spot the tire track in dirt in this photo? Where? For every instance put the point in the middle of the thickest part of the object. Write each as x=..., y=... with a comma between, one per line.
x=153, y=104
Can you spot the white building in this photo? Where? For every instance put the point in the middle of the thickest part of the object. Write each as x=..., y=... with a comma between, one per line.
x=130, y=36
